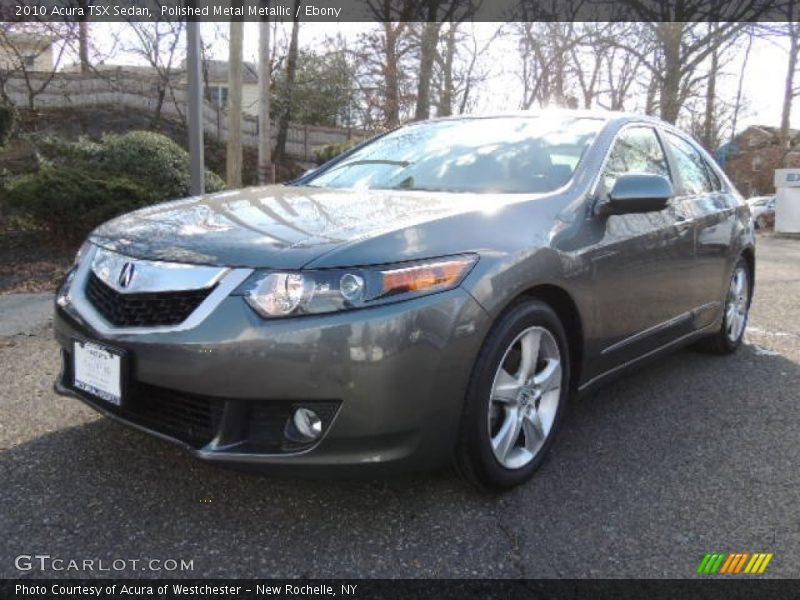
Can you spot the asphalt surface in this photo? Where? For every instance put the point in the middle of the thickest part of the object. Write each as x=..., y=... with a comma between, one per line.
x=694, y=454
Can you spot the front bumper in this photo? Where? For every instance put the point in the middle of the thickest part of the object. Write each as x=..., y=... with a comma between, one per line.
x=391, y=380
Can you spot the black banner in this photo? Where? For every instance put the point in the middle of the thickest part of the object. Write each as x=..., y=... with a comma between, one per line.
x=398, y=10
x=417, y=589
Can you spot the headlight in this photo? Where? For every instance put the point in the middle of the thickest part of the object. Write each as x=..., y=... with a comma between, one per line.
x=281, y=294
x=62, y=295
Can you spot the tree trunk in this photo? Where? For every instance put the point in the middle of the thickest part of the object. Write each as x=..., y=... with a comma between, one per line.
x=390, y=76
x=652, y=92
x=83, y=46
x=235, y=68
x=788, y=90
x=162, y=92
x=709, y=122
x=291, y=74
x=737, y=106
x=670, y=38
x=446, y=100
x=430, y=36
x=264, y=90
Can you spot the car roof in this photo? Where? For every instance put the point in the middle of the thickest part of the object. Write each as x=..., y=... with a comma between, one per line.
x=606, y=115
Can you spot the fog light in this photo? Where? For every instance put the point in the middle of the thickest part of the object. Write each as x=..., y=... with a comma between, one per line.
x=308, y=424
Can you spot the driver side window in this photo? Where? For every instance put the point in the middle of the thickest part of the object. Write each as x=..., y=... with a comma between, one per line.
x=636, y=150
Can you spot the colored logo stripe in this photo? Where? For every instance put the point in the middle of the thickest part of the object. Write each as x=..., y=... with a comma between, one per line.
x=722, y=563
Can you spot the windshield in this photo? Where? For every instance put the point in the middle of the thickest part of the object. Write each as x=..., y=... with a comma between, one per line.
x=512, y=155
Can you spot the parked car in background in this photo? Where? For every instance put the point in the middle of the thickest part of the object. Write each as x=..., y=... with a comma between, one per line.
x=435, y=295
x=762, y=208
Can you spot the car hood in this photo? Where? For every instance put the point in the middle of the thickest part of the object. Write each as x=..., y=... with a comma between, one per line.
x=282, y=226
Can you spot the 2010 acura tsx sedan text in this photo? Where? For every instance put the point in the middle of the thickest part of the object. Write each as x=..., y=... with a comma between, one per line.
x=434, y=295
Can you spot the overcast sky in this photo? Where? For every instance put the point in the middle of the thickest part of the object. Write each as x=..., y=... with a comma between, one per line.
x=762, y=91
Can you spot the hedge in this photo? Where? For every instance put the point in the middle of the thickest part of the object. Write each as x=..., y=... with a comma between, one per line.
x=83, y=183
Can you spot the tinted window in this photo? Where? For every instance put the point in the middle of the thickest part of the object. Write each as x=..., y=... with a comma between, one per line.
x=636, y=151
x=691, y=166
x=504, y=154
x=716, y=184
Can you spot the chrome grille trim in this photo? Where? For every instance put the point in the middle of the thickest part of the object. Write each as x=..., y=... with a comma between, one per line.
x=153, y=276
x=80, y=306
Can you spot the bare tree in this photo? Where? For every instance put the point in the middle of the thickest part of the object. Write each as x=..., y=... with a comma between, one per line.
x=738, y=102
x=23, y=47
x=427, y=55
x=381, y=58
x=789, y=32
x=159, y=43
x=459, y=68
x=789, y=89
x=446, y=61
x=682, y=44
x=545, y=50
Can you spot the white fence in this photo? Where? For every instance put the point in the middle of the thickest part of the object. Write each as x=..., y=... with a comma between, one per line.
x=126, y=89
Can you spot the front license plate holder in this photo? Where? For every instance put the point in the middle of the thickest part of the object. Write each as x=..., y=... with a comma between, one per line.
x=99, y=370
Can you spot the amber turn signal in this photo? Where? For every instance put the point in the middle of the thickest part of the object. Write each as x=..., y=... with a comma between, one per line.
x=429, y=277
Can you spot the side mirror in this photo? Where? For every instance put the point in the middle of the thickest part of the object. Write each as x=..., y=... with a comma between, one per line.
x=637, y=194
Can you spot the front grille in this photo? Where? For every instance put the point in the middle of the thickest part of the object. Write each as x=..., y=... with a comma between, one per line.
x=143, y=309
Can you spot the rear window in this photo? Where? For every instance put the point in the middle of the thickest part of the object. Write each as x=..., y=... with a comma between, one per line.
x=490, y=155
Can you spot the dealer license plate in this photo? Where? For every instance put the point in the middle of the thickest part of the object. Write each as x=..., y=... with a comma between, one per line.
x=98, y=371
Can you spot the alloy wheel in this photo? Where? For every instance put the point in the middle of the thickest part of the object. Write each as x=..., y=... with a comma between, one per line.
x=737, y=304
x=524, y=397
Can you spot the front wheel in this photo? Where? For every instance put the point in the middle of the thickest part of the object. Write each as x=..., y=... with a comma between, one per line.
x=516, y=397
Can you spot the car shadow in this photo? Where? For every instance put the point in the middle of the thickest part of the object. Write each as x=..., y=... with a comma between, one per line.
x=630, y=458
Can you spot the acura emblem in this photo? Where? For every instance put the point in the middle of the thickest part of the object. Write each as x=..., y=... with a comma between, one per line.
x=126, y=275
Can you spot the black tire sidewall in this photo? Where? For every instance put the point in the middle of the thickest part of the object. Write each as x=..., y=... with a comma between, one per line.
x=475, y=434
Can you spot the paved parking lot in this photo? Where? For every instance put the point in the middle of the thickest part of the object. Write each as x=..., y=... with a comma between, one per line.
x=692, y=455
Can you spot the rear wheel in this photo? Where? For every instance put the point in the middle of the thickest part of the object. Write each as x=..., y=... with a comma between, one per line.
x=516, y=398
x=737, y=307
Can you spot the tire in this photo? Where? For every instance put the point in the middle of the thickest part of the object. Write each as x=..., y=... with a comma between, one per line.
x=761, y=223
x=728, y=338
x=488, y=452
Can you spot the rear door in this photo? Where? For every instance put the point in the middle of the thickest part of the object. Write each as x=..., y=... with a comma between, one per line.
x=641, y=301
x=703, y=199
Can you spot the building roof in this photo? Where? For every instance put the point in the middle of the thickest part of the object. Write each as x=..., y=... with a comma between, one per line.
x=768, y=130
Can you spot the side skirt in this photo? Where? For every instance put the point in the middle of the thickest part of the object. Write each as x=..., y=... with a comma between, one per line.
x=611, y=374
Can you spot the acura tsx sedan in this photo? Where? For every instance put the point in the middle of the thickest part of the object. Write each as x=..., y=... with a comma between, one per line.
x=434, y=296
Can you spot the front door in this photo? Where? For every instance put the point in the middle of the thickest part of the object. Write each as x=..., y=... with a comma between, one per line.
x=641, y=303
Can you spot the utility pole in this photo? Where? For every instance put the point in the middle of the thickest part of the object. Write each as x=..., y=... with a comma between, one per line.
x=195, y=109
x=264, y=90
x=235, y=67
